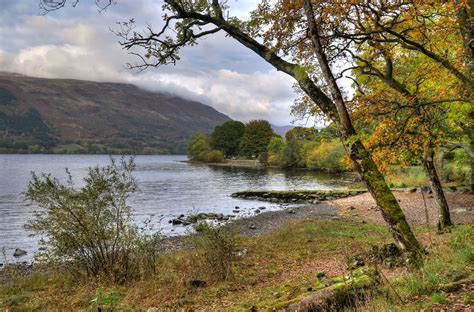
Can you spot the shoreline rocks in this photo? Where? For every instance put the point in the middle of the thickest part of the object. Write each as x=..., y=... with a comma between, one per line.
x=296, y=197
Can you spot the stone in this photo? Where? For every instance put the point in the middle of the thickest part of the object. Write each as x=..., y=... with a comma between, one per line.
x=257, y=210
x=351, y=208
x=316, y=201
x=236, y=211
x=291, y=211
x=197, y=283
x=412, y=190
x=176, y=221
x=321, y=275
x=237, y=207
x=262, y=208
x=252, y=226
x=19, y=252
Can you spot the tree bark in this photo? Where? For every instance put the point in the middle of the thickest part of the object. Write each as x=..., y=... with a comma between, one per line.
x=444, y=219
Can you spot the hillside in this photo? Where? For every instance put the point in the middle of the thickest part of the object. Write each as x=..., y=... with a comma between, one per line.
x=75, y=116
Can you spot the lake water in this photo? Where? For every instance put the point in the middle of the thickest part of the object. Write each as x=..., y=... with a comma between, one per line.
x=168, y=187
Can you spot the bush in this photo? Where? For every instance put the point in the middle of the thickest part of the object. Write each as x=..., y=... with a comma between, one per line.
x=218, y=250
x=327, y=156
x=214, y=156
x=88, y=228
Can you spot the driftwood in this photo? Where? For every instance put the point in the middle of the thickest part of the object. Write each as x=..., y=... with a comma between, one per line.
x=326, y=294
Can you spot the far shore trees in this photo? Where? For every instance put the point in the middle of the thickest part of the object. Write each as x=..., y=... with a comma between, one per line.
x=227, y=136
x=256, y=137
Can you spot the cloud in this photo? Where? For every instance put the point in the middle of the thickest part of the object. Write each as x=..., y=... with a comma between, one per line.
x=77, y=43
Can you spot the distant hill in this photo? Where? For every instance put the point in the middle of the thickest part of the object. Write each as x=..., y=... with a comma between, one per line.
x=75, y=116
x=282, y=130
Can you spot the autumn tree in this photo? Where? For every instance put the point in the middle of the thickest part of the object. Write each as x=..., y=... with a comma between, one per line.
x=441, y=31
x=407, y=96
x=292, y=37
x=226, y=137
x=256, y=137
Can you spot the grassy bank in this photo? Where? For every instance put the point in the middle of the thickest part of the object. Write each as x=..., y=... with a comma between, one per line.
x=288, y=258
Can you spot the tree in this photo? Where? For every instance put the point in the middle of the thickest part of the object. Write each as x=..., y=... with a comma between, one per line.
x=427, y=28
x=302, y=32
x=198, y=147
x=403, y=94
x=256, y=137
x=226, y=137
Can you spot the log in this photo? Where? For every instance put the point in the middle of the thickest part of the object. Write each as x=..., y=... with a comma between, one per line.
x=327, y=294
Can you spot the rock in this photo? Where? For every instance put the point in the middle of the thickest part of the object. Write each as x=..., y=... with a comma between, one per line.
x=197, y=283
x=235, y=211
x=274, y=200
x=257, y=210
x=321, y=275
x=19, y=252
x=42, y=248
x=294, y=200
x=262, y=208
x=291, y=211
x=412, y=190
x=351, y=208
x=237, y=207
x=252, y=226
x=176, y=221
x=335, y=218
x=316, y=201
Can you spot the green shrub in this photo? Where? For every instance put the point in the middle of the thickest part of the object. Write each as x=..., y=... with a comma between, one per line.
x=217, y=248
x=214, y=156
x=88, y=228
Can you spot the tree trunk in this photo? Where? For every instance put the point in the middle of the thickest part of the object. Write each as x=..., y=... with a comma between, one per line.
x=377, y=186
x=361, y=158
x=465, y=19
x=444, y=219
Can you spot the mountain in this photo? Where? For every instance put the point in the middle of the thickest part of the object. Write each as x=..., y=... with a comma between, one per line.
x=282, y=130
x=76, y=116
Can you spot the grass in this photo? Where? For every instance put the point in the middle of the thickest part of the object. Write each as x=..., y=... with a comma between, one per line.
x=291, y=255
x=407, y=177
x=286, y=259
x=449, y=261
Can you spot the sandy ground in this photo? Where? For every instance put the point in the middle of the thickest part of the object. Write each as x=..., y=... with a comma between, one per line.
x=363, y=207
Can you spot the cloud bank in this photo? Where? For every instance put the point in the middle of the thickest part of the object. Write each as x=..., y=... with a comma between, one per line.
x=77, y=43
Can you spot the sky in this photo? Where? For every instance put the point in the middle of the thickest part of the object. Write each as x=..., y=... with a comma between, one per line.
x=76, y=42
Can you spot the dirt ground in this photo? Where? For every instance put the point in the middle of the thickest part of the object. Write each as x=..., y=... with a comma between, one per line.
x=363, y=207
